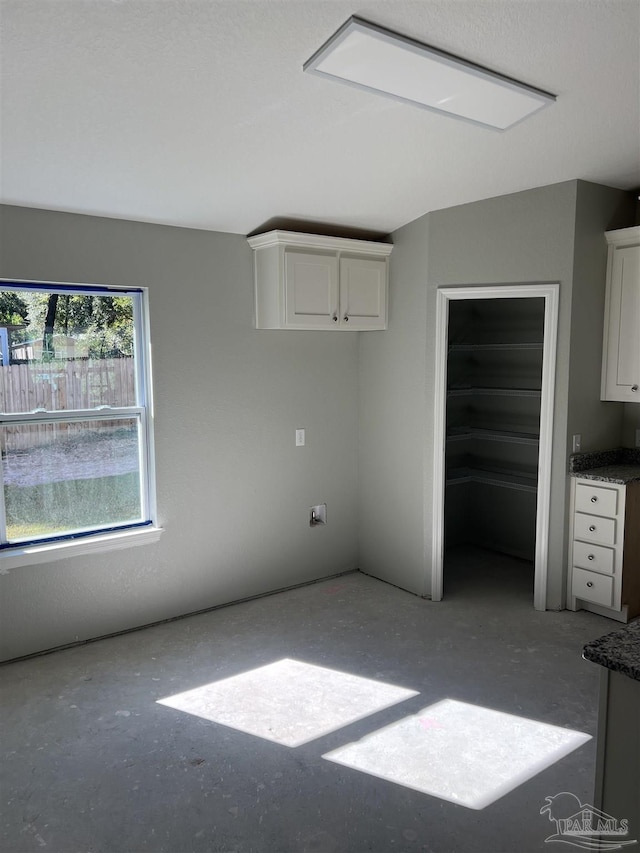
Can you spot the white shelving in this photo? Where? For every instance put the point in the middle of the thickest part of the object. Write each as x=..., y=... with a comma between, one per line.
x=492, y=446
x=520, y=482
x=508, y=436
x=510, y=347
x=493, y=392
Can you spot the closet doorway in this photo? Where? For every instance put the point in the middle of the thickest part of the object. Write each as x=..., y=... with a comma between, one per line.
x=495, y=375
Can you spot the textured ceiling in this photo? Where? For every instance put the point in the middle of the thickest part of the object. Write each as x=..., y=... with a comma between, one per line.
x=197, y=113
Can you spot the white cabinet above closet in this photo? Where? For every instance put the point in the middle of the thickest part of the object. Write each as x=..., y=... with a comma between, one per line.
x=621, y=348
x=307, y=281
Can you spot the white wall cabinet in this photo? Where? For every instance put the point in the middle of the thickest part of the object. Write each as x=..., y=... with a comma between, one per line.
x=604, y=548
x=306, y=281
x=621, y=347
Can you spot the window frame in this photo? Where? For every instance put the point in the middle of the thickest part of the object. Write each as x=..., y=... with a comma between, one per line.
x=62, y=545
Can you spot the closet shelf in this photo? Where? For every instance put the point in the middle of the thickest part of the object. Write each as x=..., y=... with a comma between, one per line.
x=468, y=391
x=510, y=437
x=520, y=482
x=533, y=345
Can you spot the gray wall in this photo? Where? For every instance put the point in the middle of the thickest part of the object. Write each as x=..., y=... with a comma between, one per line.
x=524, y=237
x=233, y=490
x=630, y=424
x=599, y=423
x=394, y=420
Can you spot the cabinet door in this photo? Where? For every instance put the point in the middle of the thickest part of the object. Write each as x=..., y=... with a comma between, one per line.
x=311, y=291
x=621, y=358
x=363, y=293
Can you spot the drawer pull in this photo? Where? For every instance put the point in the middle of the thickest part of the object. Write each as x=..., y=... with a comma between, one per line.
x=594, y=500
x=592, y=528
x=590, y=557
x=634, y=387
x=589, y=584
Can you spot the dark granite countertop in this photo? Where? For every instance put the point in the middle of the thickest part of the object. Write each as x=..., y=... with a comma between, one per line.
x=620, y=474
x=620, y=466
x=619, y=651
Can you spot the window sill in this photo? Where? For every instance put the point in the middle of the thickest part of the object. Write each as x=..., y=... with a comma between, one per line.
x=48, y=552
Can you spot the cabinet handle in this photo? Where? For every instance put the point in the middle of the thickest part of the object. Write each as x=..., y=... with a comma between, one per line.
x=634, y=387
x=589, y=584
x=335, y=318
x=346, y=318
x=594, y=500
x=590, y=557
x=592, y=528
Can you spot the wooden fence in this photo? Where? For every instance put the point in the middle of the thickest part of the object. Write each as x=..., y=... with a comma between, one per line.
x=61, y=386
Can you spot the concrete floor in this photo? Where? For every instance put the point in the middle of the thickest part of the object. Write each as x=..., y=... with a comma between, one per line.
x=92, y=763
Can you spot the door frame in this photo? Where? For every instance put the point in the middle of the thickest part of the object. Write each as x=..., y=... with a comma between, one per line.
x=550, y=293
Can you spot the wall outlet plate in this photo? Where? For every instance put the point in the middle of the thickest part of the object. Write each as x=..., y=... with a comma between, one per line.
x=317, y=515
x=577, y=443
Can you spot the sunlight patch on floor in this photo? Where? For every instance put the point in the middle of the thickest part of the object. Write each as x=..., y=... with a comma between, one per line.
x=288, y=702
x=459, y=752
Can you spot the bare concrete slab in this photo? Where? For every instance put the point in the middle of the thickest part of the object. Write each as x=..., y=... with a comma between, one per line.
x=92, y=762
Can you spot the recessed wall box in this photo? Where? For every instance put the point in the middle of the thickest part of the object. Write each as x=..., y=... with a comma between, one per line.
x=318, y=515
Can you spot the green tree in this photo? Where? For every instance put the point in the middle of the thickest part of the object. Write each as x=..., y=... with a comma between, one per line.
x=48, y=352
x=103, y=324
x=13, y=309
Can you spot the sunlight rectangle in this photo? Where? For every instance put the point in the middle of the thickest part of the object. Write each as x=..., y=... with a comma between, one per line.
x=288, y=702
x=459, y=752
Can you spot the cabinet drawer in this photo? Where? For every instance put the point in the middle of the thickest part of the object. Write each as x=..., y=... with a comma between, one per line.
x=590, y=586
x=594, y=557
x=594, y=529
x=597, y=500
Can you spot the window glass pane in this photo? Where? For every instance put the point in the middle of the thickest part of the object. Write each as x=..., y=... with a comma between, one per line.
x=66, y=477
x=64, y=351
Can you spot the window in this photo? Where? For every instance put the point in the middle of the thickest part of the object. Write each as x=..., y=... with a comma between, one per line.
x=75, y=415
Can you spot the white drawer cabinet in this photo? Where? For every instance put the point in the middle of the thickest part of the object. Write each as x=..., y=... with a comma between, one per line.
x=595, y=558
x=592, y=529
x=593, y=587
x=306, y=281
x=621, y=343
x=604, y=548
x=596, y=499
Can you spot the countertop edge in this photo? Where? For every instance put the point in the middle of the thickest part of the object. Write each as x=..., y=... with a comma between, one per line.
x=618, y=651
x=618, y=480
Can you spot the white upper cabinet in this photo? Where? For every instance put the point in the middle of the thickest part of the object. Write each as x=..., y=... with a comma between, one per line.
x=363, y=293
x=306, y=281
x=621, y=348
x=311, y=290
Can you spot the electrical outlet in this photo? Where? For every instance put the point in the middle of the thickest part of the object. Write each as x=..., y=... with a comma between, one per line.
x=577, y=443
x=317, y=515
x=300, y=438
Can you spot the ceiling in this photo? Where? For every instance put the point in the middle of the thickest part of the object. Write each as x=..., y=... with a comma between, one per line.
x=197, y=113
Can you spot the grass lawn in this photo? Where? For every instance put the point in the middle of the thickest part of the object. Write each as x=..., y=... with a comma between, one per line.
x=58, y=507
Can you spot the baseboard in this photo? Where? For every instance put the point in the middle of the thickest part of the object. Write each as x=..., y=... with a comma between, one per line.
x=176, y=618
